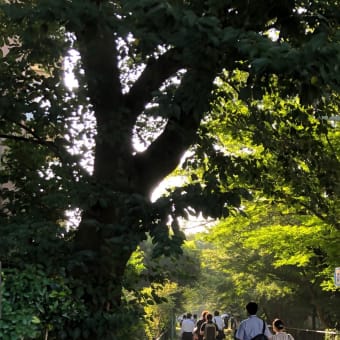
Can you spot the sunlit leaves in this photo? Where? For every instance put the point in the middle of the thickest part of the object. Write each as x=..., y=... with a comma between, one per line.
x=287, y=143
x=274, y=249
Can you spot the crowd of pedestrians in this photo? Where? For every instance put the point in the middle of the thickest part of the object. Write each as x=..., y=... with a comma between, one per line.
x=212, y=327
x=208, y=327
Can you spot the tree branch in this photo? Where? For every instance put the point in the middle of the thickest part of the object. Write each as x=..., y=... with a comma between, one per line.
x=153, y=76
x=322, y=217
x=31, y=132
x=165, y=153
x=54, y=146
x=25, y=139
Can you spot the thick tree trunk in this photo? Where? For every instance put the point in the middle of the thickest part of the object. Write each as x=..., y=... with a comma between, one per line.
x=102, y=248
x=108, y=234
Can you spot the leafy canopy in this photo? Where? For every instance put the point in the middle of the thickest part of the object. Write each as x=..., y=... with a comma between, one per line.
x=155, y=63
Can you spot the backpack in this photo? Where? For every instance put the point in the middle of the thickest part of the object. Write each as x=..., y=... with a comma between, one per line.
x=209, y=331
x=261, y=336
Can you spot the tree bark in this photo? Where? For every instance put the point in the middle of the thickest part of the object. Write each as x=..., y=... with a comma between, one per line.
x=106, y=236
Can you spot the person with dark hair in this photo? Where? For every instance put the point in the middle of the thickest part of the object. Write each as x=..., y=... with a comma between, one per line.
x=220, y=325
x=187, y=327
x=196, y=333
x=209, y=329
x=253, y=326
x=280, y=332
x=183, y=318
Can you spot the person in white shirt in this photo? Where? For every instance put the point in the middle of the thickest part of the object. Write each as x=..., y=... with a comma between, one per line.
x=187, y=327
x=220, y=325
x=252, y=326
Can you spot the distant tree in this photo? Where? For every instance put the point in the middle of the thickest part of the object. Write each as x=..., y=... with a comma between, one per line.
x=156, y=286
x=281, y=259
x=146, y=73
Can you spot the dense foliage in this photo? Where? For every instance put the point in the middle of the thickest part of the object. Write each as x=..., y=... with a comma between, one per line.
x=281, y=259
x=147, y=72
x=282, y=250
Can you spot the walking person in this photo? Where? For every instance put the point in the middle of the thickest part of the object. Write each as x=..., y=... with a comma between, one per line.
x=280, y=332
x=209, y=328
x=220, y=325
x=252, y=326
x=183, y=317
x=197, y=335
x=187, y=327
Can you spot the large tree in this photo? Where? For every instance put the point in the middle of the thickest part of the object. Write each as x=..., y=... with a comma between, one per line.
x=146, y=72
